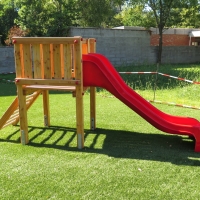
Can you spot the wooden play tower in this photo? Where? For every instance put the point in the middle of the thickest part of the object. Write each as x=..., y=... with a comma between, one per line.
x=49, y=63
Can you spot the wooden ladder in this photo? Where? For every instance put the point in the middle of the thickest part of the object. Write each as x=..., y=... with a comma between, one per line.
x=11, y=116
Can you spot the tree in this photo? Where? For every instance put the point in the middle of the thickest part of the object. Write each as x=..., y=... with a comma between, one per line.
x=98, y=13
x=186, y=17
x=14, y=31
x=46, y=17
x=137, y=16
x=163, y=11
x=8, y=13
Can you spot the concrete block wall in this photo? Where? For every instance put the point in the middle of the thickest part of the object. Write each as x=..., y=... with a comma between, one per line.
x=181, y=54
x=121, y=47
x=118, y=45
x=7, y=63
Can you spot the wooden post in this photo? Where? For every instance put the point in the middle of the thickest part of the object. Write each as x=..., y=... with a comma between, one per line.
x=19, y=68
x=46, y=108
x=46, y=62
x=92, y=108
x=92, y=49
x=79, y=93
x=23, y=115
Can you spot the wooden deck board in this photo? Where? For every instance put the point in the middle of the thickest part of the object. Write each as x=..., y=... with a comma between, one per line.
x=50, y=87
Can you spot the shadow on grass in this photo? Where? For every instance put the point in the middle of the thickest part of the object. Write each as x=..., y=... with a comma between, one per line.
x=115, y=143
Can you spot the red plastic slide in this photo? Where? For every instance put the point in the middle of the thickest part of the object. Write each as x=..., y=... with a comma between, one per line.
x=99, y=72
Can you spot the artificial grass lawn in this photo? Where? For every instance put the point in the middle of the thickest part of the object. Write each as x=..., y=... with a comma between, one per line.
x=124, y=158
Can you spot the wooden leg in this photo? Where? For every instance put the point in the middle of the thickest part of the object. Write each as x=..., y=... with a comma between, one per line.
x=92, y=108
x=79, y=117
x=46, y=108
x=22, y=115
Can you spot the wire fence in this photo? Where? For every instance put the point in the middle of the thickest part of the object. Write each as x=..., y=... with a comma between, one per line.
x=169, y=76
x=152, y=101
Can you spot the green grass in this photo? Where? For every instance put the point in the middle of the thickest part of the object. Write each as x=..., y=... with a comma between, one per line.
x=162, y=88
x=124, y=158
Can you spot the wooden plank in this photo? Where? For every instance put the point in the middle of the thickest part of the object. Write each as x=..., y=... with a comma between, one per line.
x=26, y=81
x=8, y=123
x=11, y=120
x=92, y=49
x=52, y=60
x=92, y=108
x=79, y=95
x=92, y=45
x=85, y=48
x=48, y=87
x=27, y=61
x=29, y=103
x=46, y=61
x=46, y=109
x=84, y=40
x=23, y=115
x=62, y=60
x=57, y=61
x=45, y=40
x=15, y=115
x=18, y=65
x=29, y=98
x=9, y=112
x=37, y=61
x=73, y=61
x=67, y=62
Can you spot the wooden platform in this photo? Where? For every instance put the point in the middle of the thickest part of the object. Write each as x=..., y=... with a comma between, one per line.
x=50, y=87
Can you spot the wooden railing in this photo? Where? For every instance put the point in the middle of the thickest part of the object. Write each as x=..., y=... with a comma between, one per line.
x=47, y=63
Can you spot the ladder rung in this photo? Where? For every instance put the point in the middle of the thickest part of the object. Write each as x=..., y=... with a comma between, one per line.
x=8, y=123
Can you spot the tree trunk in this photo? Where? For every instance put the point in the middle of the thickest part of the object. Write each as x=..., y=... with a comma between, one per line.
x=160, y=47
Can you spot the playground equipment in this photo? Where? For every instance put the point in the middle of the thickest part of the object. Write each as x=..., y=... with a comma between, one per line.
x=98, y=71
x=44, y=64
x=71, y=64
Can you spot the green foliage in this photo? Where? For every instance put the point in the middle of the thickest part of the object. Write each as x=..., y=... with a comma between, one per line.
x=46, y=18
x=186, y=17
x=97, y=13
x=8, y=13
x=137, y=16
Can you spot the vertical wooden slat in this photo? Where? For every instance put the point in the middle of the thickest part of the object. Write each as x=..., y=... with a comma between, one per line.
x=18, y=65
x=79, y=95
x=46, y=61
x=27, y=61
x=41, y=60
x=52, y=60
x=37, y=61
x=73, y=61
x=92, y=45
x=85, y=48
x=67, y=61
x=62, y=59
x=57, y=61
